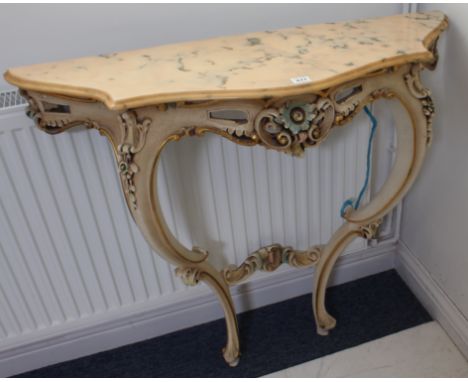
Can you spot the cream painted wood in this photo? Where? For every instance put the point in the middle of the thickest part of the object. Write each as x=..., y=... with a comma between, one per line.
x=287, y=124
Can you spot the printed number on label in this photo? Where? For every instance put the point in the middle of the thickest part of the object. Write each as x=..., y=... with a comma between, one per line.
x=300, y=80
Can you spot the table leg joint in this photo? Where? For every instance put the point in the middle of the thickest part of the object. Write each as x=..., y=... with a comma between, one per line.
x=370, y=231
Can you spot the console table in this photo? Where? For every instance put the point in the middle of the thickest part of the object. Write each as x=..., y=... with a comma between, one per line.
x=285, y=90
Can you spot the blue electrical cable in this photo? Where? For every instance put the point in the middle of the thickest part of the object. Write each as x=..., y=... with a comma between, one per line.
x=350, y=202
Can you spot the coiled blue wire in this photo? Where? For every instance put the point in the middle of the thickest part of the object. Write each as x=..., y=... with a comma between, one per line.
x=355, y=203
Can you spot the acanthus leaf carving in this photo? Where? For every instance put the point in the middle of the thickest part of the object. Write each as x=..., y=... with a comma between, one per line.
x=268, y=259
x=133, y=137
x=417, y=90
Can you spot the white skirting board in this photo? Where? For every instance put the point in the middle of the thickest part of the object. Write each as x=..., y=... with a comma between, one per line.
x=188, y=308
x=431, y=295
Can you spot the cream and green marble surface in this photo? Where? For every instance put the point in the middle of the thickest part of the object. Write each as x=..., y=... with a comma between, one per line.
x=251, y=65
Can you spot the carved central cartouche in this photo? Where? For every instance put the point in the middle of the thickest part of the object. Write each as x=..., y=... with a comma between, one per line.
x=296, y=123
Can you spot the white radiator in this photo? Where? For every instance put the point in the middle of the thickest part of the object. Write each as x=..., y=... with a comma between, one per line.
x=70, y=252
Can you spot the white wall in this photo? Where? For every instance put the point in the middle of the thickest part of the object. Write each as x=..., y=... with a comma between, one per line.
x=434, y=226
x=57, y=216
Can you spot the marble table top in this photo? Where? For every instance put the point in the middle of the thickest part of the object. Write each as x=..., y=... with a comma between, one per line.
x=254, y=65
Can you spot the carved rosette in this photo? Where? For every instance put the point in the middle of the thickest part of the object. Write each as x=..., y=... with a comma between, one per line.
x=417, y=90
x=132, y=141
x=293, y=124
x=268, y=259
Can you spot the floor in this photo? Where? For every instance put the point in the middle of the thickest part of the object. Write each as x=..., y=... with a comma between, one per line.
x=273, y=338
x=422, y=351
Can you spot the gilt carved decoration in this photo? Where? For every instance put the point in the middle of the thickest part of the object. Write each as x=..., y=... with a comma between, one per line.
x=268, y=259
x=417, y=89
x=51, y=117
x=245, y=88
x=369, y=231
x=294, y=124
x=133, y=139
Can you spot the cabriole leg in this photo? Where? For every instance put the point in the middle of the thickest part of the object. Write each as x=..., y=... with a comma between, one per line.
x=138, y=155
x=412, y=142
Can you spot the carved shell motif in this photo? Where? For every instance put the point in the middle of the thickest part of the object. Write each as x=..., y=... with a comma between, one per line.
x=293, y=124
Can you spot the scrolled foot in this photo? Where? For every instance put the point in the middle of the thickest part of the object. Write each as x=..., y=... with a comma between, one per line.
x=325, y=324
x=231, y=356
x=322, y=332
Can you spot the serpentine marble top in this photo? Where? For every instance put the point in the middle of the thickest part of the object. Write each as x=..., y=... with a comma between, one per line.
x=254, y=65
